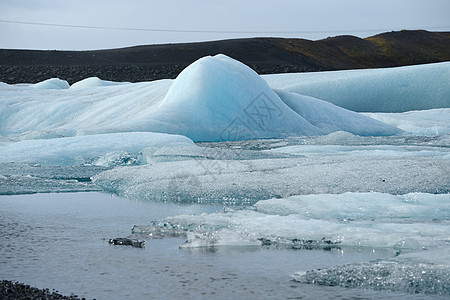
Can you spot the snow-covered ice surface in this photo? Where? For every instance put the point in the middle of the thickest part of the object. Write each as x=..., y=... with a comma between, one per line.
x=290, y=172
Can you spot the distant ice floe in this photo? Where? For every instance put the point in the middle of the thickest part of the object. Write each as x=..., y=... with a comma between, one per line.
x=389, y=90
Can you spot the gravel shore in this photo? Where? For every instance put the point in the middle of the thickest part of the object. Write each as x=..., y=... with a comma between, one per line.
x=12, y=290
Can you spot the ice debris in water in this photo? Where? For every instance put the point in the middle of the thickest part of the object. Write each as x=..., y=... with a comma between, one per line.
x=327, y=226
x=128, y=242
x=392, y=276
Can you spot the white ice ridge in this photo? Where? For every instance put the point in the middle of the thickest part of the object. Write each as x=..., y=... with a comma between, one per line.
x=94, y=82
x=52, y=84
x=400, y=89
x=214, y=99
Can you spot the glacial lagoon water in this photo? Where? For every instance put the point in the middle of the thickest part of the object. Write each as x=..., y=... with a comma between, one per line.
x=381, y=231
x=58, y=241
x=292, y=197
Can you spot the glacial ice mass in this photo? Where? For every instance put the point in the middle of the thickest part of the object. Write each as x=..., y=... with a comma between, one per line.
x=289, y=156
x=213, y=99
x=389, y=90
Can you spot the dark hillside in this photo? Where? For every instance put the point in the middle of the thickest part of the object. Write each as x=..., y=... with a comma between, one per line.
x=408, y=47
x=264, y=55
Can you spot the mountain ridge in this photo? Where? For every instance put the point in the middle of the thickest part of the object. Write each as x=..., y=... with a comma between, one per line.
x=266, y=55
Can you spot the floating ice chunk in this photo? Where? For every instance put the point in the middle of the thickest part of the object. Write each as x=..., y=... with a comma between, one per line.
x=94, y=82
x=423, y=271
x=375, y=90
x=84, y=149
x=18, y=178
x=321, y=223
x=385, y=275
x=213, y=239
x=52, y=84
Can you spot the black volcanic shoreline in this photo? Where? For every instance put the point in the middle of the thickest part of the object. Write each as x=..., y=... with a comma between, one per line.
x=12, y=290
x=264, y=55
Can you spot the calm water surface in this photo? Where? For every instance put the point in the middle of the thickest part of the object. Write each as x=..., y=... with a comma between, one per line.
x=59, y=241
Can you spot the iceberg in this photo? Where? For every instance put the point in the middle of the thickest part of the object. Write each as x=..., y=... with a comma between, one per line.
x=214, y=99
x=220, y=99
x=217, y=98
x=388, y=90
x=282, y=169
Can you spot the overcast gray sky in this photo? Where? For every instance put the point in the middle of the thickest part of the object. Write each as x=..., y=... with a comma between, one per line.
x=172, y=21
